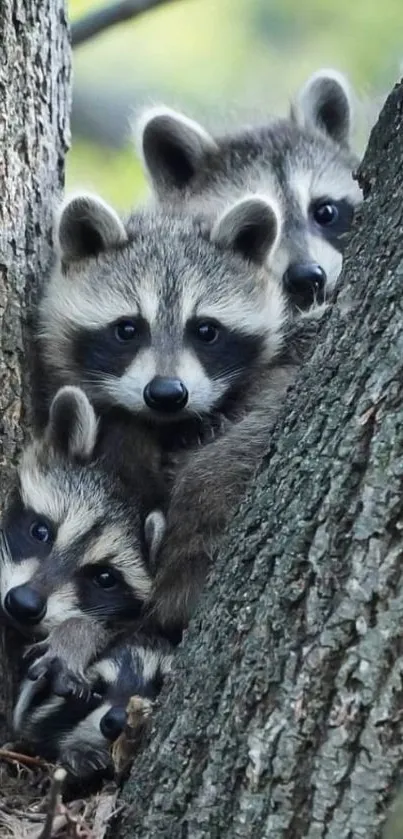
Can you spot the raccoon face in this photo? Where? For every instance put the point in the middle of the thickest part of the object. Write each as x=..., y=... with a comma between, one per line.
x=173, y=322
x=303, y=162
x=71, y=539
x=81, y=733
x=135, y=668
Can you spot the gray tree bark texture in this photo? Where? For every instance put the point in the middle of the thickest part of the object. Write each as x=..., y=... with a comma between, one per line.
x=34, y=134
x=284, y=718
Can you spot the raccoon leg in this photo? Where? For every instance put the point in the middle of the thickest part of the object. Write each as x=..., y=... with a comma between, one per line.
x=206, y=493
x=64, y=656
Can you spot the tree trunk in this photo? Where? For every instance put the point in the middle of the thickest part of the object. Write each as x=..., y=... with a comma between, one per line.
x=284, y=715
x=34, y=113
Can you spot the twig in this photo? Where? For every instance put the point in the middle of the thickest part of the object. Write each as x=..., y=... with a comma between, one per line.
x=26, y=760
x=93, y=23
x=106, y=810
x=56, y=826
x=54, y=801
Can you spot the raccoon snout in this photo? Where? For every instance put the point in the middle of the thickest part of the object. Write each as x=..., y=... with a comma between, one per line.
x=25, y=605
x=113, y=723
x=306, y=283
x=165, y=394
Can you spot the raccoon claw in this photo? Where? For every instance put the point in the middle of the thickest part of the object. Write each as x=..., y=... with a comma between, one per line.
x=70, y=686
x=86, y=766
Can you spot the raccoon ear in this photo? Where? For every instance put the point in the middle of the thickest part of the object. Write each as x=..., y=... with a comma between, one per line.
x=154, y=530
x=86, y=225
x=325, y=102
x=251, y=227
x=72, y=425
x=172, y=147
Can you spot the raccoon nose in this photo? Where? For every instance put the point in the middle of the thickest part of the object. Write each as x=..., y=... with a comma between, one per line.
x=305, y=282
x=113, y=723
x=25, y=605
x=164, y=394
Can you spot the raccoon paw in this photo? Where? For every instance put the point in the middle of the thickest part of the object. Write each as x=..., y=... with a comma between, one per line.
x=64, y=682
x=86, y=764
x=72, y=685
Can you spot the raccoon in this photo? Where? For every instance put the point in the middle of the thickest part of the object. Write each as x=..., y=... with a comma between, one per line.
x=77, y=540
x=80, y=732
x=183, y=329
x=173, y=324
x=304, y=163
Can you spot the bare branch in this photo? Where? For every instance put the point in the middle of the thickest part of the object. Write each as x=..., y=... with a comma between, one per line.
x=96, y=22
x=24, y=760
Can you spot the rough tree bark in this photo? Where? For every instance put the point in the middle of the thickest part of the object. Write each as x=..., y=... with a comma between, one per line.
x=284, y=718
x=34, y=118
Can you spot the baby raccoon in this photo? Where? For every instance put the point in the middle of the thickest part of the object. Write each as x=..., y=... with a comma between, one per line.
x=77, y=540
x=79, y=733
x=172, y=324
x=186, y=331
x=304, y=163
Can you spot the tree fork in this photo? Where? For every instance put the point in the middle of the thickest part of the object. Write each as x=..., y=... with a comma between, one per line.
x=283, y=718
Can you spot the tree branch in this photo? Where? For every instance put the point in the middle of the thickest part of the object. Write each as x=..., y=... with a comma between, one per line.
x=96, y=22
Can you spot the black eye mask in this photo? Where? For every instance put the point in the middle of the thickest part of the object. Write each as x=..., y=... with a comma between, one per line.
x=112, y=348
x=333, y=229
x=28, y=534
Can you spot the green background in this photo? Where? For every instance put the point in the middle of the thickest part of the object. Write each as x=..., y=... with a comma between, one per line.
x=217, y=59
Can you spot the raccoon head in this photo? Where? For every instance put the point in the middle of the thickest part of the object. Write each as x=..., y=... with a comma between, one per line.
x=72, y=536
x=129, y=668
x=304, y=162
x=81, y=733
x=171, y=323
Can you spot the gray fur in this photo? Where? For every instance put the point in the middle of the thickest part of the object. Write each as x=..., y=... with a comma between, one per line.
x=295, y=162
x=209, y=487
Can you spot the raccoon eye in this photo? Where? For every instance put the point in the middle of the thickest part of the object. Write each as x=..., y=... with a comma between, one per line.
x=207, y=332
x=126, y=330
x=104, y=578
x=326, y=214
x=40, y=532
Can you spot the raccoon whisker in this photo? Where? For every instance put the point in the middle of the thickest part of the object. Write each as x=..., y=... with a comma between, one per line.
x=98, y=381
x=227, y=372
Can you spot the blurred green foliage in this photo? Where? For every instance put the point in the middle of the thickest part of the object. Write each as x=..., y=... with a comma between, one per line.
x=217, y=55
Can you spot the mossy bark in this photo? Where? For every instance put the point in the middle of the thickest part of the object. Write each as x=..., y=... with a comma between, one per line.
x=284, y=715
x=34, y=134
